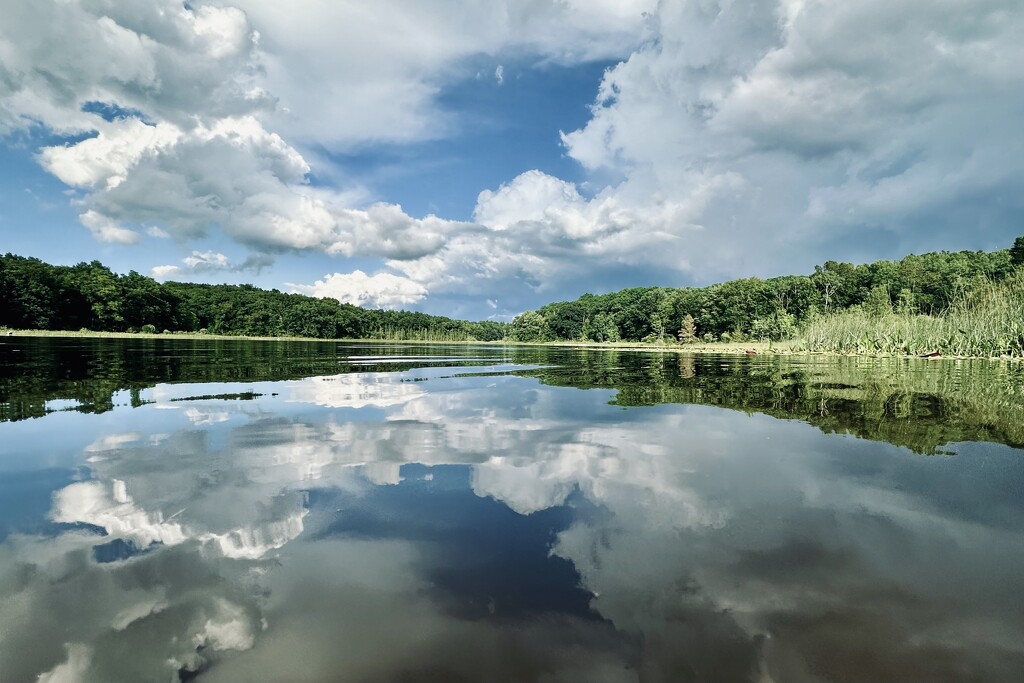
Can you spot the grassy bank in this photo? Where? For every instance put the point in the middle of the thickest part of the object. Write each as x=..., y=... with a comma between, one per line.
x=853, y=333
x=988, y=322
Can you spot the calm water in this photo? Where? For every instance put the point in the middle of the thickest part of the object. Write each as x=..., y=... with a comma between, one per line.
x=237, y=511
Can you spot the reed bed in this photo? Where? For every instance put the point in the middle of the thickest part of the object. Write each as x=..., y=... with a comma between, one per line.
x=986, y=322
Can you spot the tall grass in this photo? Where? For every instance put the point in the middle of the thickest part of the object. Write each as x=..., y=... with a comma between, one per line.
x=986, y=322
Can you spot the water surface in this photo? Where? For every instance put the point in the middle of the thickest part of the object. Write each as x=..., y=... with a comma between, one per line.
x=226, y=511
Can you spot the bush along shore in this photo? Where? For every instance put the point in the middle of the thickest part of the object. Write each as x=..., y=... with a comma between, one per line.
x=89, y=297
x=941, y=303
x=987, y=321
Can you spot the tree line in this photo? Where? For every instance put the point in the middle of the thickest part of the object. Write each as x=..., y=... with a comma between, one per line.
x=37, y=295
x=90, y=296
x=770, y=309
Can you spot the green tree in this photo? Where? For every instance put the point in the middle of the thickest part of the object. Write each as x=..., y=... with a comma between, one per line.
x=102, y=292
x=688, y=330
x=1017, y=251
x=878, y=302
x=530, y=327
x=905, y=304
x=779, y=325
x=662, y=311
x=602, y=328
x=835, y=281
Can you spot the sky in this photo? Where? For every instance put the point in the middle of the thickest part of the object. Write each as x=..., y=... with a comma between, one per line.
x=480, y=158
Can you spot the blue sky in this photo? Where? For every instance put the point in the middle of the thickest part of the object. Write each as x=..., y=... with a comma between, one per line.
x=481, y=159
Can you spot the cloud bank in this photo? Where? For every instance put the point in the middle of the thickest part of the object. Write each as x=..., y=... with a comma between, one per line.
x=382, y=290
x=731, y=139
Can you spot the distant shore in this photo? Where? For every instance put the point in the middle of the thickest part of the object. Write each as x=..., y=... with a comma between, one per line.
x=792, y=347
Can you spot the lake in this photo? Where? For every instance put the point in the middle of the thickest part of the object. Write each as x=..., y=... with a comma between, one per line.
x=180, y=509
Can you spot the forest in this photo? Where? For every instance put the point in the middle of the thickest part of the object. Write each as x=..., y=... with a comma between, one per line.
x=925, y=286
x=968, y=302
x=89, y=296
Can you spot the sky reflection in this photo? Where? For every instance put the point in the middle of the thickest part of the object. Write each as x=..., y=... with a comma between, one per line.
x=430, y=525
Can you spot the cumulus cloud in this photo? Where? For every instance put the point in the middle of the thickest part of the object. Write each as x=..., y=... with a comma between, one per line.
x=166, y=59
x=394, y=59
x=355, y=391
x=382, y=290
x=206, y=262
x=233, y=175
x=731, y=139
x=104, y=161
x=763, y=138
x=540, y=231
x=170, y=101
x=105, y=229
x=810, y=124
x=108, y=610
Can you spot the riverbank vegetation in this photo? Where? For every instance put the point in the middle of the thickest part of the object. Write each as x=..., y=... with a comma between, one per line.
x=953, y=303
x=950, y=303
x=90, y=296
x=987, y=321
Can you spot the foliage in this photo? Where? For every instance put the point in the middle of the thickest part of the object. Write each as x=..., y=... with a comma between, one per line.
x=37, y=295
x=530, y=326
x=601, y=328
x=773, y=309
x=90, y=296
x=988, y=320
x=1017, y=251
x=688, y=330
x=878, y=304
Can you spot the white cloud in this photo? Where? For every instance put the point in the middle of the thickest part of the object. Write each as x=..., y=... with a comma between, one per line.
x=206, y=262
x=733, y=138
x=160, y=58
x=807, y=123
x=229, y=629
x=347, y=73
x=104, y=161
x=209, y=259
x=382, y=290
x=105, y=229
x=111, y=442
x=110, y=507
x=235, y=175
x=188, y=150
x=539, y=230
x=763, y=138
x=72, y=670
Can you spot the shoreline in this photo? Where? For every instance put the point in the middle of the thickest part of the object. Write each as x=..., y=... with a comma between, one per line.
x=753, y=348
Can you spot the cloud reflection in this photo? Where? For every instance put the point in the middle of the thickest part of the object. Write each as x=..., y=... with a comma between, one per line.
x=303, y=543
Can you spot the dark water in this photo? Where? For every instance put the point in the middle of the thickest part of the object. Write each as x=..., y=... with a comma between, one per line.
x=240, y=511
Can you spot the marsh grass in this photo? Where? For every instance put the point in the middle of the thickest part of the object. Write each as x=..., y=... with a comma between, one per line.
x=986, y=322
